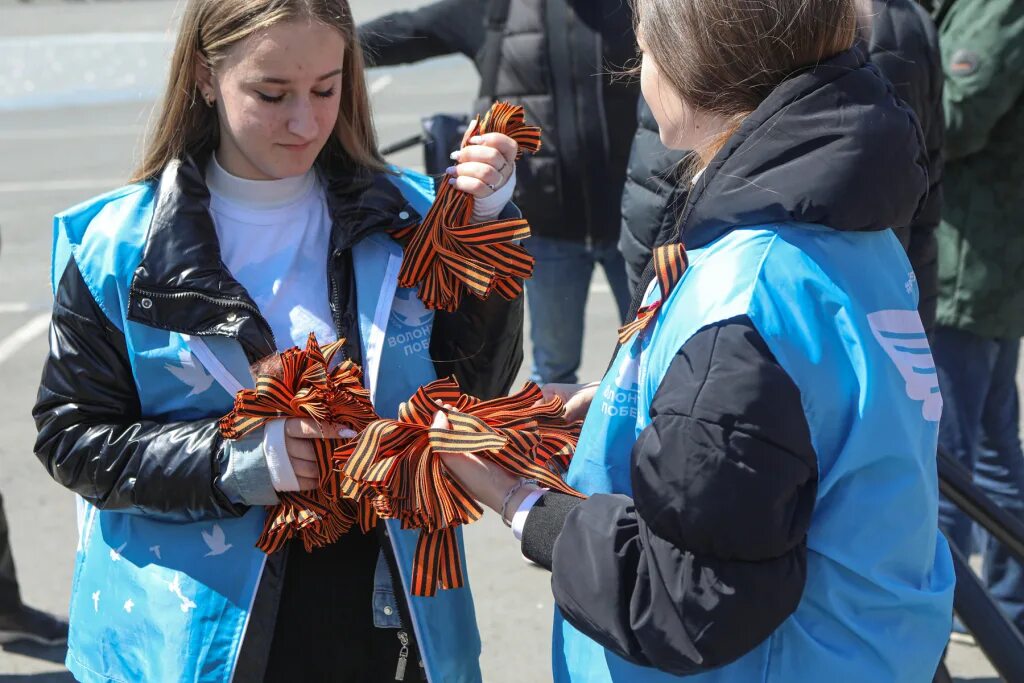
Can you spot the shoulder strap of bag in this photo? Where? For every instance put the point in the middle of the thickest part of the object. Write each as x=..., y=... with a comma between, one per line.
x=497, y=18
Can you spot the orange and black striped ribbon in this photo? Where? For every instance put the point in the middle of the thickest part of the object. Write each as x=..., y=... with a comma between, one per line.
x=397, y=464
x=301, y=383
x=670, y=262
x=445, y=255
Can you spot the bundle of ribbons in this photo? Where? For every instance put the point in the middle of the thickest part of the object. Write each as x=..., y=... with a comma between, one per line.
x=397, y=464
x=446, y=256
x=393, y=469
x=303, y=384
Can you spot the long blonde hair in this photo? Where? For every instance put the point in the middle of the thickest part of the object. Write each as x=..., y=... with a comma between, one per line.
x=209, y=29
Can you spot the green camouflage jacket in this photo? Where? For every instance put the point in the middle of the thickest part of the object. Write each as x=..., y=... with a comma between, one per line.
x=981, y=239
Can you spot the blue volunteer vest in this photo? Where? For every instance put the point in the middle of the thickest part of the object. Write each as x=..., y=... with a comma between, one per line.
x=170, y=600
x=877, y=603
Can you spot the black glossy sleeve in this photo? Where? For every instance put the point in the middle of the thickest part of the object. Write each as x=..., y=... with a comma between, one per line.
x=708, y=557
x=92, y=437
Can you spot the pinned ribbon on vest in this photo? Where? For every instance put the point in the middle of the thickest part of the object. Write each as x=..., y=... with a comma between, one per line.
x=396, y=464
x=303, y=385
x=446, y=256
x=670, y=262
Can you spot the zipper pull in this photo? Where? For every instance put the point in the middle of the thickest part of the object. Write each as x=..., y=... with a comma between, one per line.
x=403, y=656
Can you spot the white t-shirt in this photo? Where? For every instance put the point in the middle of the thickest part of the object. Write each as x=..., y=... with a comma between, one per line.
x=275, y=240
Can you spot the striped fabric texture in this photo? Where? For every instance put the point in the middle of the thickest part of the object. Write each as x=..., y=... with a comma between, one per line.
x=397, y=465
x=393, y=468
x=670, y=262
x=301, y=384
x=446, y=256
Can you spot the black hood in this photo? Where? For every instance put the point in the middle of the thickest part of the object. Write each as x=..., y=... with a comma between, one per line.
x=832, y=145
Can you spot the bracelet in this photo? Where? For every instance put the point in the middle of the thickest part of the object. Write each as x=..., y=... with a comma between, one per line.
x=508, y=497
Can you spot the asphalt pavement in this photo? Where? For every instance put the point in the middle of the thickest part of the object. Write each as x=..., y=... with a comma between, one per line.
x=77, y=85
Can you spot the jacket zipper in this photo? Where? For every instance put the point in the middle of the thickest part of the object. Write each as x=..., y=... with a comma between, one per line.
x=335, y=304
x=403, y=656
x=219, y=301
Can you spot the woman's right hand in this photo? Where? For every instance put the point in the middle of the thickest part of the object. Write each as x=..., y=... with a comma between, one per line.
x=576, y=397
x=298, y=436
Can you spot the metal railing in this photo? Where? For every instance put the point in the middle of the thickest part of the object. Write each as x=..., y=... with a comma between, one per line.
x=996, y=635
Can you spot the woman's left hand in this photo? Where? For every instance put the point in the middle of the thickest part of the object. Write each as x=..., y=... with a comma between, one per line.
x=485, y=481
x=484, y=166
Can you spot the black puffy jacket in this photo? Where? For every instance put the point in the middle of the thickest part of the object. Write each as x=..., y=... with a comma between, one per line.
x=724, y=479
x=553, y=57
x=904, y=45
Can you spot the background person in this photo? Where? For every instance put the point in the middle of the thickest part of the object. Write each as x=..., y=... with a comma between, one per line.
x=981, y=268
x=556, y=58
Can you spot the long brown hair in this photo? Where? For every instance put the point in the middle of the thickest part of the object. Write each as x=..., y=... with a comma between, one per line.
x=725, y=56
x=209, y=29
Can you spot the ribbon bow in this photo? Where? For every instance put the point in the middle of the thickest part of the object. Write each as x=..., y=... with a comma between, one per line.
x=445, y=255
x=303, y=385
x=670, y=262
x=397, y=465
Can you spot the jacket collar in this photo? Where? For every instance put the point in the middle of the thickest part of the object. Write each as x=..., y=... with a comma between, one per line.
x=832, y=145
x=182, y=284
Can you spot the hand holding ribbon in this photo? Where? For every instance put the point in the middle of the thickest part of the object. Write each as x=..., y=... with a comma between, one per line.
x=301, y=384
x=446, y=256
x=399, y=465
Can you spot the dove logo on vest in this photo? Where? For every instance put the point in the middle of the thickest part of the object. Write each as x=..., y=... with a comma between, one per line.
x=903, y=338
x=410, y=324
x=620, y=399
x=190, y=373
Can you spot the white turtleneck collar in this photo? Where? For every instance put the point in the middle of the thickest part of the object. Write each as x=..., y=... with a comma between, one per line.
x=256, y=194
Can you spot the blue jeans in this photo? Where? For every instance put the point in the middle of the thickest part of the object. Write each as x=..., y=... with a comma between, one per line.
x=557, y=297
x=980, y=428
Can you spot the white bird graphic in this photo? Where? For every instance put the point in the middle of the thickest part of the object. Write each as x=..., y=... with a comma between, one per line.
x=128, y=604
x=629, y=375
x=155, y=549
x=215, y=541
x=175, y=587
x=902, y=335
x=190, y=373
x=96, y=601
x=115, y=555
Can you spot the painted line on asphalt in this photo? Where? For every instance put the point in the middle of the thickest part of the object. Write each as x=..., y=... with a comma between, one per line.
x=72, y=133
x=14, y=342
x=381, y=83
x=15, y=307
x=68, y=185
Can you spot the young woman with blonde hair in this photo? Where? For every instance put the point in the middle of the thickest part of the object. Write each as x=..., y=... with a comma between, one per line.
x=760, y=457
x=260, y=213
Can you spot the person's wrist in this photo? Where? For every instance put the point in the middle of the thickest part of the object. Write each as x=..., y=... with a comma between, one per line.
x=516, y=501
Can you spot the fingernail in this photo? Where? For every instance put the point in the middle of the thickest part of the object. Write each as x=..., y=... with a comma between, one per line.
x=454, y=156
x=476, y=140
x=450, y=170
x=451, y=181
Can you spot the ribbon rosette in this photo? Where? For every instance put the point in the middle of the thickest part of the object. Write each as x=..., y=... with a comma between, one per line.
x=304, y=385
x=396, y=464
x=446, y=255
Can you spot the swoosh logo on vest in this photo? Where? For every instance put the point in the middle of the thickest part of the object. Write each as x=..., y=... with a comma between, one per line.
x=902, y=336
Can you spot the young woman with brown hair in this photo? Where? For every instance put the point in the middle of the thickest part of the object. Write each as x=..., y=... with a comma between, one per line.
x=760, y=457
x=260, y=213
